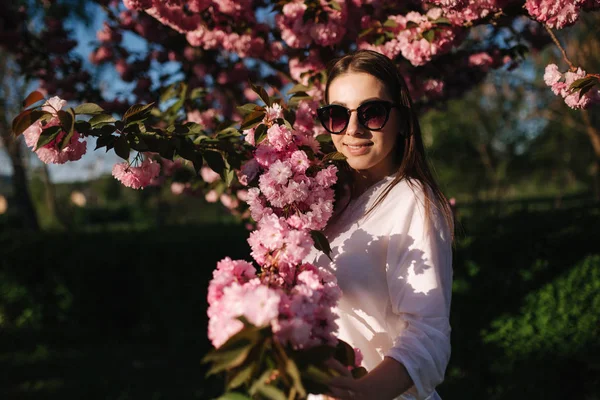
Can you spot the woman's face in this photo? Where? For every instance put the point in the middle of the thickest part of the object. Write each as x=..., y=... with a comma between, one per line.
x=369, y=152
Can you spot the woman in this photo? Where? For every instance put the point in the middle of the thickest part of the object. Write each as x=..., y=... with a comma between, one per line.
x=392, y=241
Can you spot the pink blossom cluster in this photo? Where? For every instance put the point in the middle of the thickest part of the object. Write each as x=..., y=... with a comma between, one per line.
x=50, y=152
x=302, y=69
x=560, y=84
x=558, y=13
x=244, y=45
x=305, y=316
x=299, y=315
x=470, y=11
x=207, y=118
x=290, y=195
x=136, y=177
x=216, y=31
x=410, y=35
x=297, y=33
x=286, y=187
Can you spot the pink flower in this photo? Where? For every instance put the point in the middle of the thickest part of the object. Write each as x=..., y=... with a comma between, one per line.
x=279, y=136
x=50, y=152
x=299, y=161
x=228, y=201
x=261, y=306
x=205, y=118
x=327, y=177
x=212, y=196
x=555, y=13
x=552, y=75
x=295, y=332
x=177, y=188
x=265, y=155
x=358, y=357
x=280, y=171
x=573, y=99
x=136, y=177
x=272, y=113
x=137, y=4
x=208, y=175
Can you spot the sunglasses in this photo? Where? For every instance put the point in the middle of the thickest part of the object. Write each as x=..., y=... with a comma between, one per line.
x=373, y=115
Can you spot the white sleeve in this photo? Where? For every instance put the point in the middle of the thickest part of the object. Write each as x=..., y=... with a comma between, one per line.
x=419, y=278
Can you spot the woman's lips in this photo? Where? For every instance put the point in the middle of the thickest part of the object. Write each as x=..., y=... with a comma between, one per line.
x=358, y=149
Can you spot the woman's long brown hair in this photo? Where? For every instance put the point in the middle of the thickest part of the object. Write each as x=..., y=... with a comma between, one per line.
x=410, y=152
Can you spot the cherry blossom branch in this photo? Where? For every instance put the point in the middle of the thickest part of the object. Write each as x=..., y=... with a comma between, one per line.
x=562, y=50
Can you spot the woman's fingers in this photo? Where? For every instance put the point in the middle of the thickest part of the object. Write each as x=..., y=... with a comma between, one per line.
x=341, y=394
x=338, y=367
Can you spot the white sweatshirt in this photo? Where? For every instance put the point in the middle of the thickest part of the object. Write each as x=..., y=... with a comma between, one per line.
x=395, y=271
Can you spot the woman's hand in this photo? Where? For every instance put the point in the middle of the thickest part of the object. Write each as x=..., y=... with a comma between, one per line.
x=345, y=387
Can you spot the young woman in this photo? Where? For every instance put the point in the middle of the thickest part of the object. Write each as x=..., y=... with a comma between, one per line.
x=391, y=241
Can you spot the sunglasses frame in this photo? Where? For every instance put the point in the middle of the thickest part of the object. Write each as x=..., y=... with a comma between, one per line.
x=387, y=104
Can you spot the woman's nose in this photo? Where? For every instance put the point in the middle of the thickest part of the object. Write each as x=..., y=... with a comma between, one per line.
x=354, y=127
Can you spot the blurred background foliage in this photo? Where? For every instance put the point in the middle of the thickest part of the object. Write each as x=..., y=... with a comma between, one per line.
x=108, y=299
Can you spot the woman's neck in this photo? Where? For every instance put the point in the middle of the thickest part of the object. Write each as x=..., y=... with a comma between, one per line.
x=363, y=180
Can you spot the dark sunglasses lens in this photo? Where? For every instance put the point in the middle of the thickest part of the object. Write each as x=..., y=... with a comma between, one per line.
x=373, y=115
x=334, y=118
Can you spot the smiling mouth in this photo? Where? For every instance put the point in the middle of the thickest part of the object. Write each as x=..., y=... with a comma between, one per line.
x=358, y=146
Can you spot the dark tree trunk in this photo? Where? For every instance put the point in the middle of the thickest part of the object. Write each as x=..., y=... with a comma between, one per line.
x=22, y=199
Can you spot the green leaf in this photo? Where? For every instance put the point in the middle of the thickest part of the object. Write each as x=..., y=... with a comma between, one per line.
x=105, y=140
x=379, y=40
x=215, y=161
x=197, y=162
x=136, y=109
x=321, y=242
x=83, y=127
x=101, y=119
x=25, y=119
x=298, y=88
x=33, y=98
x=411, y=24
x=197, y=93
x=344, y=353
x=170, y=92
x=260, y=381
x=241, y=376
x=234, y=396
x=317, y=374
x=292, y=370
x=390, y=23
x=298, y=97
x=442, y=21
x=586, y=89
x=47, y=136
x=248, y=108
x=67, y=120
x=88, y=108
x=583, y=82
x=429, y=35
x=335, y=5
x=326, y=138
x=122, y=148
x=252, y=119
x=228, y=175
x=365, y=32
x=271, y=392
x=336, y=155
x=231, y=358
x=186, y=149
x=262, y=93
x=260, y=133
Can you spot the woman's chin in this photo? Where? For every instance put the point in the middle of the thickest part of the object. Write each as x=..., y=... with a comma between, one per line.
x=358, y=164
